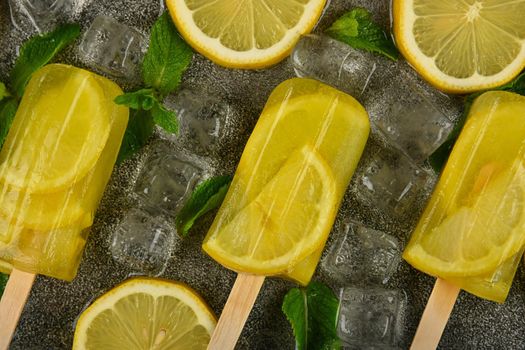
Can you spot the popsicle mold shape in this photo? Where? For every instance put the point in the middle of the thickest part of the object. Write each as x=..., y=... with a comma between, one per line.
x=290, y=181
x=54, y=166
x=473, y=228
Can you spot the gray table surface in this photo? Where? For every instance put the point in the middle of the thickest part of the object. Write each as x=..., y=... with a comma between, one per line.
x=48, y=319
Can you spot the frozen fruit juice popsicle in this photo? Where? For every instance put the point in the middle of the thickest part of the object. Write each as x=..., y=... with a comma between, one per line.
x=290, y=180
x=54, y=166
x=472, y=232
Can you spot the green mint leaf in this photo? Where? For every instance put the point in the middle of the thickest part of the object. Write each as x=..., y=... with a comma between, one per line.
x=8, y=109
x=3, y=91
x=138, y=132
x=207, y=196
x=357, y=29
x=440, y=156
x=141, y=99
x=164, y=118
x=3, y=282
x=38, y=51
x=167, y=58
x=312, y=312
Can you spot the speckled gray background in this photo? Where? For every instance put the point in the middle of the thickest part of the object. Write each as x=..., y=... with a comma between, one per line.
x=49, y=317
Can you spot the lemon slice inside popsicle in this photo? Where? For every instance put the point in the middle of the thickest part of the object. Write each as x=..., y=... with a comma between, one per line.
x=285, y=223
x=476, y=239
x=63, y=135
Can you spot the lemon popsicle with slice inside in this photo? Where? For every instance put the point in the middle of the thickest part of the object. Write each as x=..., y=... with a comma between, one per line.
x=472, y=232
x=289, y=183
x=54, y=166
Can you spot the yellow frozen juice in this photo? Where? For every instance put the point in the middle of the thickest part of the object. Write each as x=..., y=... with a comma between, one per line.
x=54, y=166
x=290, y=180
x=472, y=232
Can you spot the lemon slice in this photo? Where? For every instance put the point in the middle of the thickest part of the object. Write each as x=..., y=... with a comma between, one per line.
x=146, y=313
x=289, y=219
x=475, y=240
x=244, y=33
x=462, y=46
x=57, y=136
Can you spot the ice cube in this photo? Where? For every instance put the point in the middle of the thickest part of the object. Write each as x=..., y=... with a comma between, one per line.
x=167, y=179
x=143, y=242
x=113, y=48
x=371, y=318
x=392, y=182
x=203, y=119
x=410, y=114
x=39, y=15
x=362, y=255
x=333, y=62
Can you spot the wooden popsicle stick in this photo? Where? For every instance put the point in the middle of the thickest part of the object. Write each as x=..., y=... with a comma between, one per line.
x=436, y=315
x=236, y=311
x=12, y=304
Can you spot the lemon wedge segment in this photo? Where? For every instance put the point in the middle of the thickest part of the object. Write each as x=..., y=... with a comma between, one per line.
x=63, y=133
x=288, y=220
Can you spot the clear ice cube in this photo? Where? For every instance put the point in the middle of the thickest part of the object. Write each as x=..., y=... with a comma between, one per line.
x=113, y=48
x=410, y=114
x=39, y=15
x=203, y=119
x=333, y=62
x=362, y=255
x=143, y=242
x=371, y=318
x=166, y=179
x=392, y=182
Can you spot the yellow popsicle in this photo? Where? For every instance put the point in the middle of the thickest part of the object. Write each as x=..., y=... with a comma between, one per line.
x=54, y=166
x=290, y=180
x=472, y=232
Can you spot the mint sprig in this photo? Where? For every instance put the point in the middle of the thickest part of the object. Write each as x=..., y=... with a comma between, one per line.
x=37, y=52
x=207, y=196
x=357, y=29
x=139, y=130
x=34, y=54
x=440, y=156
x=312, y=312
x=167, y=58
x=3, y=282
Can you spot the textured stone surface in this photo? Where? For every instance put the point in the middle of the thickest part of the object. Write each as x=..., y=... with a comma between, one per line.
x=48, y=320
